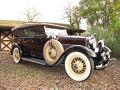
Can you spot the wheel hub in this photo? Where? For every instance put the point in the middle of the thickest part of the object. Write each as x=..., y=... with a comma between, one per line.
x=78, y=65
x=52, y=52
x=17, y=56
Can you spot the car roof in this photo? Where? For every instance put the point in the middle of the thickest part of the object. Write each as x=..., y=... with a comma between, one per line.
x=38, y=24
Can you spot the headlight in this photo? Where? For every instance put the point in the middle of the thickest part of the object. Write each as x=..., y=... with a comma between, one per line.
x=101, y=42
x=93, y=42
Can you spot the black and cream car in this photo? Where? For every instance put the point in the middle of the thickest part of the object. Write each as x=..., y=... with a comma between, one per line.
x=50, y=45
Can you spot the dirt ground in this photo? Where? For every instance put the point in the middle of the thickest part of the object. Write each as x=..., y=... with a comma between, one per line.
x=30, y=76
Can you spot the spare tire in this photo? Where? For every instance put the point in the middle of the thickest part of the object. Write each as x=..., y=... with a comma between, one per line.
x=52, y=50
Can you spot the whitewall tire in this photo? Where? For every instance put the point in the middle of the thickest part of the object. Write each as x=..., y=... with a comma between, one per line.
x=16, y=55
x=78, y=66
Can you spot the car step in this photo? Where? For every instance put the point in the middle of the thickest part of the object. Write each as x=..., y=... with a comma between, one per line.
x=34, y=60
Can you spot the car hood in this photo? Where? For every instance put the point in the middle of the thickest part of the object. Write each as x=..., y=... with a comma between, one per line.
x=73, y=40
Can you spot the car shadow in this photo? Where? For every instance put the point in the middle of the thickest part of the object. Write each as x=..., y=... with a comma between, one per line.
x=50, y=69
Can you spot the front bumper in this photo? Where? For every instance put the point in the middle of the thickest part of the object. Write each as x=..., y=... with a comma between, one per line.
x=103, y=56
x=110, y=62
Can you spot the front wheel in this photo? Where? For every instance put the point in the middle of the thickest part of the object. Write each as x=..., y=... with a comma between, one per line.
x=78, y=66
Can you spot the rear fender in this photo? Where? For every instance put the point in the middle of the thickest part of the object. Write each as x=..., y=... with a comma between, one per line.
x=15, y=45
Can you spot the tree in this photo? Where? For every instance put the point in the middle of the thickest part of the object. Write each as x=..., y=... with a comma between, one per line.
x=103, y=13
x=100, y=13
x=73, y=16
x=31, y=14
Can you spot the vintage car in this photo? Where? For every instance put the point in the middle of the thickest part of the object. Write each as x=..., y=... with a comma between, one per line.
x=50, y=45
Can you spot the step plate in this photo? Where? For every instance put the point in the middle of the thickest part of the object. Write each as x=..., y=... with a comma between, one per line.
x=34, y=60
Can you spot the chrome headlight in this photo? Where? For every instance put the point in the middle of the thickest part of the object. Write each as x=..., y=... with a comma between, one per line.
x=101, y=42
x=92, y=41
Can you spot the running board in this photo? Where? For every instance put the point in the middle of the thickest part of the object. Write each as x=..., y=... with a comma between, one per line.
x=34, y=60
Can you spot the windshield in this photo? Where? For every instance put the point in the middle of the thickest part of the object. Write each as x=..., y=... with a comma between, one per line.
x=55, y=31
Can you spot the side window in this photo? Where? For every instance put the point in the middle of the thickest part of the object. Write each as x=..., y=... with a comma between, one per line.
x=19, y=33
x=30, y=32
x=36, y=32
x=25, y=32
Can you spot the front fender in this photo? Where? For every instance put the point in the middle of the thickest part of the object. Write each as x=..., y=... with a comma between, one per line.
x=82, y=49
x=76, y=48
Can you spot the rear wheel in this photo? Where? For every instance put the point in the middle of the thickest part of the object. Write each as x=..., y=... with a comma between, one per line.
x=78, y=66
x=16, y=55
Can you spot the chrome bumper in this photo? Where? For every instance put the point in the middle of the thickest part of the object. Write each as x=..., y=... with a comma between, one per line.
x=110, y=62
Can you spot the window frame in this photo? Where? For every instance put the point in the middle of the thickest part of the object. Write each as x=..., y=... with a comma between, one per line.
x=19, y=32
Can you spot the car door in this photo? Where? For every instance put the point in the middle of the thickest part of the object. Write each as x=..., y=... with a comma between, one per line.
x=36, y=38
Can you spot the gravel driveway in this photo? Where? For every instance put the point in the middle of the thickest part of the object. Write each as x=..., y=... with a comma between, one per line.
x=30, y=76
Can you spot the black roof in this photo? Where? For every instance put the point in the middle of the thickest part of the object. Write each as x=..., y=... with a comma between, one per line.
x=47, y=25
x=38, y=24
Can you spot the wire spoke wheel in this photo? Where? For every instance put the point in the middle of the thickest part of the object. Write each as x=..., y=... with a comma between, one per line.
x=78, y=66
x=16, y=55
x=52, y=52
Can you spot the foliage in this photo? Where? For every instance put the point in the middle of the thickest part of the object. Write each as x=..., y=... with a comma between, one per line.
x=103, y=18
x=109, y=38
x=100, y=12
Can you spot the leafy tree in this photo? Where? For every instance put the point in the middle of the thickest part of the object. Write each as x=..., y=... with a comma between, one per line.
x=100, y=13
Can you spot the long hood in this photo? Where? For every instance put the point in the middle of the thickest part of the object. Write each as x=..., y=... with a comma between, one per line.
x=73, y=40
